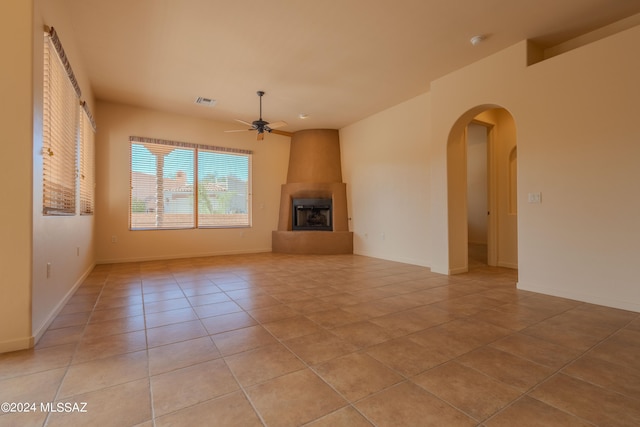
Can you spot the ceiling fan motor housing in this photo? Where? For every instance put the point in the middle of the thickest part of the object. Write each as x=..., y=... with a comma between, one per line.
x=261, y=126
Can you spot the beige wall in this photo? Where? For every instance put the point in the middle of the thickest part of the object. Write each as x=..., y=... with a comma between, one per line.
x=477, y=184
x=502, y=224
x=64, y=242
x=117, y=123
x=577, y=144
x=385, y=166
x=503, y=137
x=575, y=115
x=15, y=173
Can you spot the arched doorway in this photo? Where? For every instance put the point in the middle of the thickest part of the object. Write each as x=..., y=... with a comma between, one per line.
x=501, y=188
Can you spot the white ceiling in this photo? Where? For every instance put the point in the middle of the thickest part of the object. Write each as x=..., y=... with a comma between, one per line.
x=336, y=60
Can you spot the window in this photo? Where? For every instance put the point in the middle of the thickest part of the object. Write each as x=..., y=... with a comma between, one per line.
x=60, y=124
x=87, y=163
x=67, y=136
x=223, y=189
x=182, y=185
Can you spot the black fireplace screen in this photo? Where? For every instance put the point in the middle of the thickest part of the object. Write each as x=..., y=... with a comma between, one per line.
x=312, y=214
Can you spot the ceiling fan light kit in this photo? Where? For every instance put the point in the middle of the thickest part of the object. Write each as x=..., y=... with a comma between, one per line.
x=261, y=126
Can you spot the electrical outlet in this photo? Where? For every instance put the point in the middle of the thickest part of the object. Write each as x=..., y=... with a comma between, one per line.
x=114, y=239
x=78, y=251
x=48, y=270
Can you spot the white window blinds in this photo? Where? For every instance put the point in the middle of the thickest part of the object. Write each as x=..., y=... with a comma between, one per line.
x=183, y=185
x=160, y=196
x=67, y=136
x=60, y=124
x=223, y=189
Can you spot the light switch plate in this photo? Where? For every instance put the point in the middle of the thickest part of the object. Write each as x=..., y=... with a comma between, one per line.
x=535, y=198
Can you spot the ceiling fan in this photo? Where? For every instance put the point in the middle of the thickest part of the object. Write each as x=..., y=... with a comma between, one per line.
x=261, y=126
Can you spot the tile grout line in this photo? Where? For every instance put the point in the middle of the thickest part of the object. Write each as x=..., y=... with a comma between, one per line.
x=75, y=350
x=559, y=370
x=362, y=350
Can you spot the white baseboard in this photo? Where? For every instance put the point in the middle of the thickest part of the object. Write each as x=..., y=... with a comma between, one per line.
x=15, y=345
x=411, y=261
x=507, y=265
x=39, y=331
x=579, y=296
x=459, y=270
x=181, y=256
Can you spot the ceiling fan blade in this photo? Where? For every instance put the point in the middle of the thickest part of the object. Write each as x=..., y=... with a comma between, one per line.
x=277, y=124
x=244, y=123
x=282, y=132
x=238, y=130
x=260, y=136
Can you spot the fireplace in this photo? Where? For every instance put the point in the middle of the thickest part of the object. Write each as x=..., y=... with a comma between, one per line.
x=313, y=203
x=312, y=214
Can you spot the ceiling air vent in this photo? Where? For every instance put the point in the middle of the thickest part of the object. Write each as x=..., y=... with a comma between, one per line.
x=207, y=102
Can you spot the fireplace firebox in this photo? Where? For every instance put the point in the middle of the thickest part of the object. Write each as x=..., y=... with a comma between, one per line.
x=312, y=214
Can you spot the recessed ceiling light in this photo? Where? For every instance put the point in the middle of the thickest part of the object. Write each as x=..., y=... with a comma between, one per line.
x=207, y=102
x=303, y=116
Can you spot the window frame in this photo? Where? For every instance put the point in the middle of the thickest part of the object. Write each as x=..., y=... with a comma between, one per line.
x=196, y=190
x=86, y=161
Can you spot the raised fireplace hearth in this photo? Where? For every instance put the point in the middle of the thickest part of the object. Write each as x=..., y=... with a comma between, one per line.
x=313, y=202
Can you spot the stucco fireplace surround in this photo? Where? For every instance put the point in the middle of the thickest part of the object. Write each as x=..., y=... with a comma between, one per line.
x=315, y=172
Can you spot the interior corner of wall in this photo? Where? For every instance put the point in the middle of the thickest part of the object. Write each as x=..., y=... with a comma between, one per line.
x=535, y=53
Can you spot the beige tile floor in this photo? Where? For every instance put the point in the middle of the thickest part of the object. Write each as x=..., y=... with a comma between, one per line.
x=283, y=340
